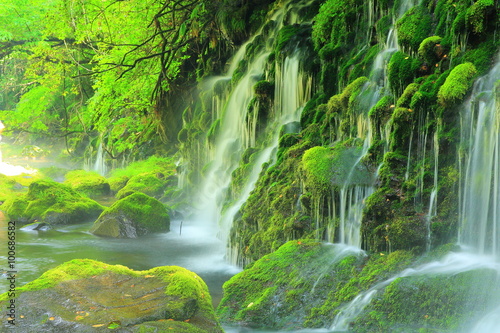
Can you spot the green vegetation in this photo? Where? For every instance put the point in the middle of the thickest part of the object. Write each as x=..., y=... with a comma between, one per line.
x=456, y=85
x=51, y=202
x=180, y=297
x=89, y=183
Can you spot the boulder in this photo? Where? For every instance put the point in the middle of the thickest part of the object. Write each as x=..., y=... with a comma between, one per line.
x=84, y=295
x=89, y=183
x=135, y=215
x=53, y=203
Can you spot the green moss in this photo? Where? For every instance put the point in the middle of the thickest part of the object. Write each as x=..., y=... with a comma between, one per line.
x=414, y=27
x=152, y=184
x=144, y=211
x=116, y=183
x=426, y=303
x=87, y=182
x=402, y=70
x=153, y=164
x=427, y=49
x=317, y=165
x=405, y=98
x=278, y=290
x=51, y=202
x=351, y=91
x=264, y=88
x=480, y=15
x=456, y=85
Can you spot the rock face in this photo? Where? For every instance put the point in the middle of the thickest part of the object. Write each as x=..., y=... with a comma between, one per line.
x=132, y=216
x=51, y=202
x=83, y=295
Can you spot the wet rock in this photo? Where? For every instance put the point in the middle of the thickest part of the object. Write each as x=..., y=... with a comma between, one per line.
x=37, y=226
x=84, y=295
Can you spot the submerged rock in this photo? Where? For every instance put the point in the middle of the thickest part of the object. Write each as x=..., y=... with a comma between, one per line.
x=53, y=203
x=37, y=226
x=84, y=295
x=132, y=216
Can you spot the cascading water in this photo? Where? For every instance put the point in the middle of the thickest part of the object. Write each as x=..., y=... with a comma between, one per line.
x=479, y=217
x=292, y=90
x=352, y=197
x=480, y=166
x=453, y=263
x=238, y=129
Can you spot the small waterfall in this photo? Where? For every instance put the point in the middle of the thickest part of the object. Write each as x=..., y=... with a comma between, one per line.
x=480, y=166
x=100, y=161
x=238, y=128
x=352, y=197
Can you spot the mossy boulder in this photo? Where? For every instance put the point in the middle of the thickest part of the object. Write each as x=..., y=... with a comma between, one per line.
x=53, y=203
x=89, y=183
x=457, y=84
x=135, y=215
x=84, y=295
x=152, y=184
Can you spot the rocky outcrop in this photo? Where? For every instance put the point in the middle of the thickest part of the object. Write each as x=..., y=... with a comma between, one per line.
x=83, y=295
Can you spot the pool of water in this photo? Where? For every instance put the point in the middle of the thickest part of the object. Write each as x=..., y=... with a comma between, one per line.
x=190, y=247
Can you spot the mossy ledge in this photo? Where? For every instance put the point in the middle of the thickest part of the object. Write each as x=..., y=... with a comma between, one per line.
x=90, y=296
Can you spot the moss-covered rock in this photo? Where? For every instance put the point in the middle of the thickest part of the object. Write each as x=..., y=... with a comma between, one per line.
x=89, y=183
x=414, y=27
x=53, y=203
x=133, y=216
x=279, y=290
x=152, y=184
x=89, y=296
x=457, y=84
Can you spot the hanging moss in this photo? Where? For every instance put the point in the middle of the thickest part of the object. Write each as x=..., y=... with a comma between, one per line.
x=456, y=85
x=481, y=15
x=402, y=70
x=405, y=98
x=414, y=27
x=264, y=89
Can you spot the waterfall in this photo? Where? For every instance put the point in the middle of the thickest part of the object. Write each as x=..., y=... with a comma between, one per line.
x=100, y=161
x=238, y=128
x=480, y=166
x=352, y=197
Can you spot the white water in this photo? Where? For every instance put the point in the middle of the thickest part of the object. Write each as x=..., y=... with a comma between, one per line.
x=238, y=131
